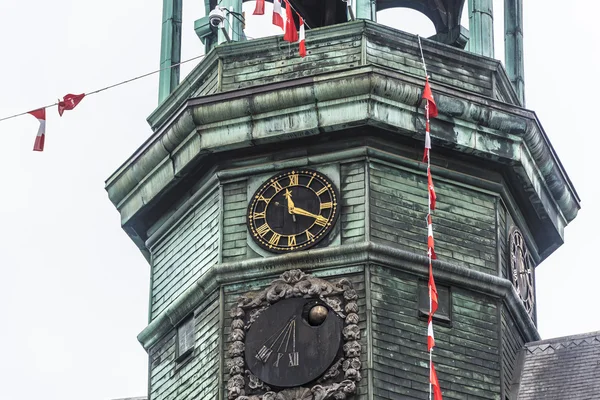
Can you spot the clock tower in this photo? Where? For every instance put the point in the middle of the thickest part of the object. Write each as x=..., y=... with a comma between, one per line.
x=281, y=204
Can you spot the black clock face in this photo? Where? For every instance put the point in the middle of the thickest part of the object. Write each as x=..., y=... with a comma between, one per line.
x=293, y=210
x=293, y=342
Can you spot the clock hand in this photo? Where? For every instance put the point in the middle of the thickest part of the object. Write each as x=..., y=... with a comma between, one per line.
x=300, y=211
x=288, y=196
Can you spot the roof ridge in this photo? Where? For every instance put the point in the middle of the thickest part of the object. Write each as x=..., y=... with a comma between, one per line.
x=564, y=341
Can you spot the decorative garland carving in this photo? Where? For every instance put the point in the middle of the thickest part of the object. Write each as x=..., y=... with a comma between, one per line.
x=340, y=379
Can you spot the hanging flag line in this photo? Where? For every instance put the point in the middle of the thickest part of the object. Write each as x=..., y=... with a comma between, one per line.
x=430, y=112
x=70, y=100
x=285, y=20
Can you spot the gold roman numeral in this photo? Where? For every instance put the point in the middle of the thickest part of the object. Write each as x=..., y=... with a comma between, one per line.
x=291, y=240
x=263, y=198
x=293, y=179
x=322, y=190
x=259, y=215
x=309, y=236
x=321, y=220
x=275, y=239
x=326, y=205
x=276, y=186
x=262, y=230
x=311, y=179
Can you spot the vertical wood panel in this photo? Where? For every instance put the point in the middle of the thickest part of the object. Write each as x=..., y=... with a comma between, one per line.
x=353, y=202
x=195, y=377
x=185, y=254
x=235, y=203
x=464, y=220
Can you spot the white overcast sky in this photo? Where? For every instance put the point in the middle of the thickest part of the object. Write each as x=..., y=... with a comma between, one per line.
x=74, y=288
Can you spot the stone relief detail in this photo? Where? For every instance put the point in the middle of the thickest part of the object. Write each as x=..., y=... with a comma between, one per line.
x=340, y=296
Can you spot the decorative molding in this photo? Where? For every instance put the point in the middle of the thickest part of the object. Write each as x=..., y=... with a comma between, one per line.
x=344, y=255
x=243, y=385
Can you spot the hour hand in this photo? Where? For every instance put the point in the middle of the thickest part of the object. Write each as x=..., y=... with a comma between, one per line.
x=300, y=211
x=290, y=203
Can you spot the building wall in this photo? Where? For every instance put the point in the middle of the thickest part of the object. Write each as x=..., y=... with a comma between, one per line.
x=512, y=343
x=185, y=253
x=197, y=376
x=464, y=222
x=466, y=354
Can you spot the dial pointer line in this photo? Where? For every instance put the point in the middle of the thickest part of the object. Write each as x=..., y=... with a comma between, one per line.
x=287, y=332
x=278, y=336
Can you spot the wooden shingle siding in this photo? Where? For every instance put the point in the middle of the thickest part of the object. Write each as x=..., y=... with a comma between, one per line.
x=209, y=84
x=185, y=253
x=353, y=202
x=512, y=343
x=233, y=291
x=235, y=204
x=503, y=241
x=273, y=65
x=466, y=355
x=196, y=377
x=464, y=220
x=407, y=59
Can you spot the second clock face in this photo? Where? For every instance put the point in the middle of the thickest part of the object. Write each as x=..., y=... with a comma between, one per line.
x=293, y=210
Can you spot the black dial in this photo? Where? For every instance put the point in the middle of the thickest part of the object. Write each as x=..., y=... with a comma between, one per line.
x=293, y=210
x=293, y=342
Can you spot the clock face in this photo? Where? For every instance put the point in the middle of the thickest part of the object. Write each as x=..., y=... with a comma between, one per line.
x=522, y=270
x=293, y=342
x=293, y=210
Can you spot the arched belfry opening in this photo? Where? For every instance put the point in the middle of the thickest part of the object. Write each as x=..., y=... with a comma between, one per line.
x=408, y=20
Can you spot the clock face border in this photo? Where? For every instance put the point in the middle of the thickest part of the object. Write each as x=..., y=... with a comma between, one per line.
x=522, y=270
x=270, y=196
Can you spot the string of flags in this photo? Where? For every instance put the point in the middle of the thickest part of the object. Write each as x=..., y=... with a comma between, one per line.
x=70, y=101
x=430, y=112
x=285, y=20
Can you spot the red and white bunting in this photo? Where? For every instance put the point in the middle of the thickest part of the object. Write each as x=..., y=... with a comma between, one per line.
x=291, y=33
x=430, y=242
x=431, y=110
x=433, y=379
x=69, y=102
x=278, y=14
x=432, y=196
x=40, y=138
x=430, y=339
x=302, y=46
x=260, y=7
x=433, y=294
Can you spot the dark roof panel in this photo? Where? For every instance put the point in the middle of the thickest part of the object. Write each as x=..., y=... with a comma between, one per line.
x=562, y=368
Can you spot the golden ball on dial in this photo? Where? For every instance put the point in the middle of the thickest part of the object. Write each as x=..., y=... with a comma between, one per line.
x=317, y=315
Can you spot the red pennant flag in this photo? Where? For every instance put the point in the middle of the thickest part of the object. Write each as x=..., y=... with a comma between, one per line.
x=40, y=114
x=432, y=196
x=260, y=7
x=69, y=102
x=302, y=49
x=277, y=14
x=430, y=245
x=431, y=110
x=291, y=34
x=437, y=391
x=433, y=294
x=430, y=339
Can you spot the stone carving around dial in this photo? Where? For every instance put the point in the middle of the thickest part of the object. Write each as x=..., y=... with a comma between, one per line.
x=297, y=339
